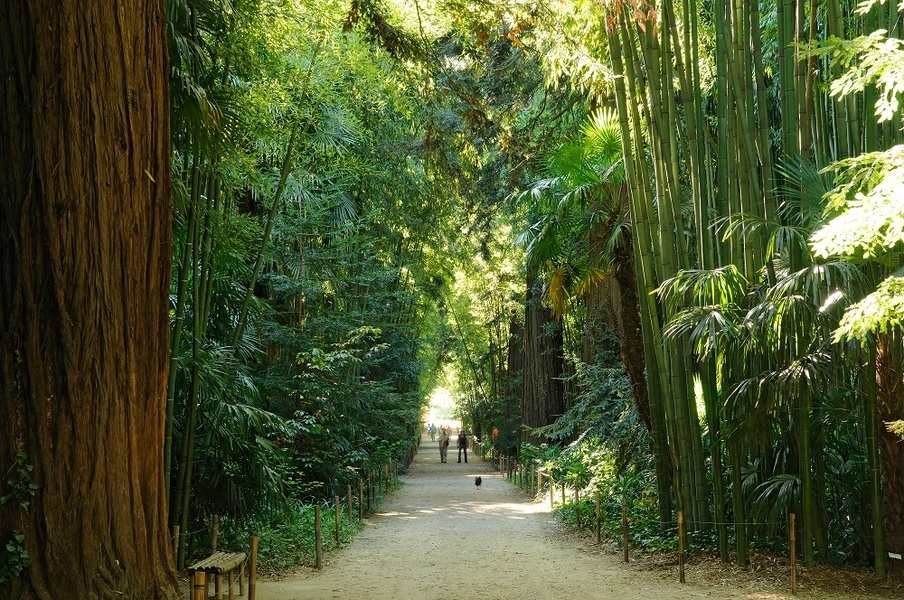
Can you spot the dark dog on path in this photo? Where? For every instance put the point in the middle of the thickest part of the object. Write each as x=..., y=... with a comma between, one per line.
x=477, y=481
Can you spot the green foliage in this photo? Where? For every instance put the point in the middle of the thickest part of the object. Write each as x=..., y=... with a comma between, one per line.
x=866, y=212
x=591, y=468
x=22, y=487
x=879, y=311
x=896, y=427
x=872, y=59
x=287, y=535
x=17, y=558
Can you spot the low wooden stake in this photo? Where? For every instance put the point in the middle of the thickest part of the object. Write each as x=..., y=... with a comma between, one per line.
x=318, y=548
x=552, y=492
x=338, y=522
x=596, y=501
x=252, y=569
x=624, y=525
x=681, y=546
x=793, y=555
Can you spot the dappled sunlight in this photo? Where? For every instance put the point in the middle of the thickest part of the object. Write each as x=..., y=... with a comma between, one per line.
x=472, y=508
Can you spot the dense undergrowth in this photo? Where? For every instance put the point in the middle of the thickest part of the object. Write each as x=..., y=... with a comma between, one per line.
x=588, y=467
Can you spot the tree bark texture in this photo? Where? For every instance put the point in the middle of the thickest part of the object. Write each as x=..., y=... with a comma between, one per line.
x=85, y=244
x=630, y=332
x=515, y=370
x=544, y=391
x=890, y=405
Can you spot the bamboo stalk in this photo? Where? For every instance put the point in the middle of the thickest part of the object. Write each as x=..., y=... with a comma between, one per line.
x=792, y=529
x=348, y=496
x=681, y=546
x=175, y=542
x=360, y=499
x=199, y=585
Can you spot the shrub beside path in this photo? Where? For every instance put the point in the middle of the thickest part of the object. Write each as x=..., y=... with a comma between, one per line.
x=439, y=537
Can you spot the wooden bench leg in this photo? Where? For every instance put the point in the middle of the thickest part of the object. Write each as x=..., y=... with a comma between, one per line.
x=230, y=585
x=199, y=585
x=216, y=586
x=242, y=580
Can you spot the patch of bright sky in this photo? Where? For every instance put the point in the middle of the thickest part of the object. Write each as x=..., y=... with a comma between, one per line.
x=423, y=17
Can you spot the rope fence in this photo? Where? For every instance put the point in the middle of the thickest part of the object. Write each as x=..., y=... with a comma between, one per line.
x=333, y=522
x=538, y=482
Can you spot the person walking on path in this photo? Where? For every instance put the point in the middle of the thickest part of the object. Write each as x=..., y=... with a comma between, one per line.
x=462, y=445
x=443, y=445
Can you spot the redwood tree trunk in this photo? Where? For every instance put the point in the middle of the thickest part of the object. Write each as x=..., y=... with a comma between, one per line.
x=890, y=401
x=85, y=242
x=544, y=392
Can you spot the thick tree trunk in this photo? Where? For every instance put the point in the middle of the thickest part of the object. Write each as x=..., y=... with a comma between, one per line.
x=515, y=371
x=630, y=331
x=544, y=392
x=85, y=242
x=890, y=405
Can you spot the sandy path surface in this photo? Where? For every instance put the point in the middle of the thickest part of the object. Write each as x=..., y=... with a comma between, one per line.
x=441, y=537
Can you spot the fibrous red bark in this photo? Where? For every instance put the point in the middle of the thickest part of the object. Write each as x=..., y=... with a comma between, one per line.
x=85, y=240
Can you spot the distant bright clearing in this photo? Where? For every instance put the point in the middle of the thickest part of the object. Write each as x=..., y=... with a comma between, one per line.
x=441, y=409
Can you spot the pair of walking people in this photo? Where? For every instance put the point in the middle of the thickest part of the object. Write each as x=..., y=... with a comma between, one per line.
x=444, y=440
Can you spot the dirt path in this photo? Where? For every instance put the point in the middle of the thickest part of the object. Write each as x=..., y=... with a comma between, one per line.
x=441, y=537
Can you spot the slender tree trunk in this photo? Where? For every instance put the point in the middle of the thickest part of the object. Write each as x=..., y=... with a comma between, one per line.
x=85, y=251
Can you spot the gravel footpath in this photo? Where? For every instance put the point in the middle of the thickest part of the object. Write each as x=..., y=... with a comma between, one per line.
x=440, y=537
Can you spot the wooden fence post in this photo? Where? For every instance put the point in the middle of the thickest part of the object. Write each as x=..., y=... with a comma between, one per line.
x=563, y=490
x=793, y=555
x=338, y=522
x=681, y=546
x=318, y=549
x=624, y=525
x=596, y=502
x=252, y=570
x=552, y=492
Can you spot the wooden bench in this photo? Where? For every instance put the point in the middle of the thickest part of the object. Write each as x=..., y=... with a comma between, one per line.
x=217, y=564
